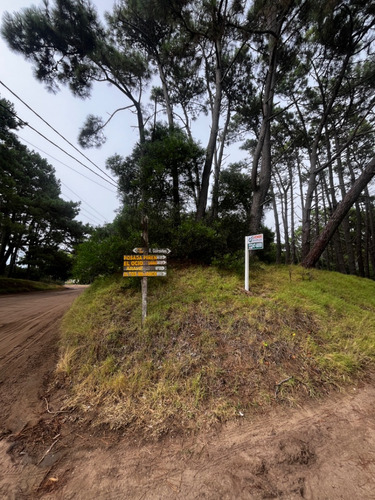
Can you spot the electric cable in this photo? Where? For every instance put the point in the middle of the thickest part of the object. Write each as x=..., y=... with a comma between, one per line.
x=65, y=165
x=56, y=145
x=56, y=131
x=81, y=199
x=82, y=210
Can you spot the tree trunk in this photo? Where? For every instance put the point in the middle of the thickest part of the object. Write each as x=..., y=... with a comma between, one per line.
x=345, y=222
x=4, y=256
x=358, y=230
x=277, y=227
x=206, y=174
x=358, y=239
x=371, y=222
x=263, y=150
x=338, y=215
x=168, y=104
x=218, y=165
x=313, y=177
x=292, y=218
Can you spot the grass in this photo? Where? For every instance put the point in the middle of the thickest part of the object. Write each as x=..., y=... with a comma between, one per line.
x=209, y=351
x=10, y=285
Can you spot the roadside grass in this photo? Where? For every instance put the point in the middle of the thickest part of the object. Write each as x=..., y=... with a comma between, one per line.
x=209, y=351
x=10, y=285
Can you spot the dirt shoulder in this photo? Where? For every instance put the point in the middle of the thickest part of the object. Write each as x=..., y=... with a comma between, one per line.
x=321, y=451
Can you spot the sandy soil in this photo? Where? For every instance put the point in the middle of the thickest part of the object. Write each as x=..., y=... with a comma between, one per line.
x=323, y=451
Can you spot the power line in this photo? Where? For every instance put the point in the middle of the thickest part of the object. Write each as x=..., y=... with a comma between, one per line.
x=56, y=131
x=88, y=215
x=88, y=204
x=65, y=165
x=83, y=210
x=56, y=145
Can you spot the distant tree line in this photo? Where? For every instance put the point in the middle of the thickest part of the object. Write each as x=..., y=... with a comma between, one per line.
x=38, y=229
x=293, y=79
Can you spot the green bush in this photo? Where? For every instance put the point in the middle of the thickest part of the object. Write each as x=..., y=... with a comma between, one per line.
x=197, y=241
x=220, y=242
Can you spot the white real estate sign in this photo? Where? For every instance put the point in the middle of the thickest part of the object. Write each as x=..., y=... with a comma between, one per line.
x=254, y=242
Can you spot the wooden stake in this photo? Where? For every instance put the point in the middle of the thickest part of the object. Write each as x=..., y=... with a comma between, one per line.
x=144, y=279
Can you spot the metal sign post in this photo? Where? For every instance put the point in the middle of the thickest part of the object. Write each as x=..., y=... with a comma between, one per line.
x=254, y=242
x=246, y=264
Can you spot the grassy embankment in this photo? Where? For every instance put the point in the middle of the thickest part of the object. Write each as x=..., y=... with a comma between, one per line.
x=10, y=285
x=210, y=351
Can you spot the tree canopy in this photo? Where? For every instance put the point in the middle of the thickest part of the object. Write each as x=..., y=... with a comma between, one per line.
x=293, y=79
x=37, y=227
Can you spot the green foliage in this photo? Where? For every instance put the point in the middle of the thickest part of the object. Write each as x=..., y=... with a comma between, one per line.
x=46, y=263
x=37, y=227
x=203, y=242
x=158, y=175
x=234, y=262
x=235, y=191
x=233, y=60
x=102, y=254
x=197, y=241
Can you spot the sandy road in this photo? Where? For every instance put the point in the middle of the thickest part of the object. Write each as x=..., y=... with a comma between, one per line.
x=29, y=329
x=25, y=320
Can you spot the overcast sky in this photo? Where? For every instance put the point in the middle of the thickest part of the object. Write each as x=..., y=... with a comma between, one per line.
x=66, y=114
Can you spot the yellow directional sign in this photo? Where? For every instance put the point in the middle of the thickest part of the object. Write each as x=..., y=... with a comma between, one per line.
x=145, y=268
x=143, y=257
x=159, y=262
x=143, y=274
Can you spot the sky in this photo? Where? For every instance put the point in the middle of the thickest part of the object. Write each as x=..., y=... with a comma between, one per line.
x=66, y=113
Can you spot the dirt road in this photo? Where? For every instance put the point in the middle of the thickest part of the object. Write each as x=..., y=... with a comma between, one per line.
x=28, y=342
x=323, y=451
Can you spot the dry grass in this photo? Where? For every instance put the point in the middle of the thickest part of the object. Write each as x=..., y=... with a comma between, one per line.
x=209, y=351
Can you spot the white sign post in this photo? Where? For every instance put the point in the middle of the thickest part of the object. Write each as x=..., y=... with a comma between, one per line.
x=246, y=264
x=254, y=242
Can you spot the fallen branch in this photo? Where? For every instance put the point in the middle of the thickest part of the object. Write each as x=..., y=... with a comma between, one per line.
x=280, y=384
x=46, y=453
x=55, y=412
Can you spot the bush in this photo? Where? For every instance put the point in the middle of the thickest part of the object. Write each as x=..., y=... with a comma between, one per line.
x=197, y=241
x=220, y=242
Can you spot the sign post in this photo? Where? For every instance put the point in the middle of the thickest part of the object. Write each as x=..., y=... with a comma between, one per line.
x=246, y=264
x=144, y=278
x=254, y=242
x=147, y=263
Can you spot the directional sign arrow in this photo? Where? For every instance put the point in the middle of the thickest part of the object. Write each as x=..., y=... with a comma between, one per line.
x=145, y=268
x=159, y=250
x=158, y=262
x=143, y=274
x=144, y=257
x=152, y=250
